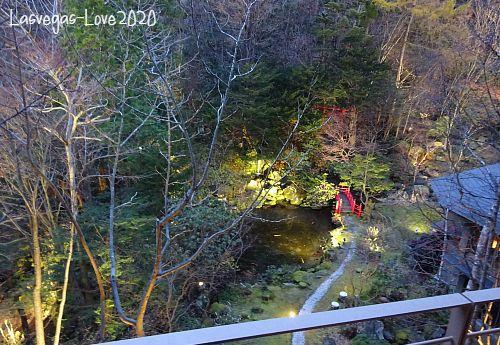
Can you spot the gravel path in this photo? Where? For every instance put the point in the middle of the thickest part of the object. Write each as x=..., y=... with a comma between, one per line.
x=298, y=338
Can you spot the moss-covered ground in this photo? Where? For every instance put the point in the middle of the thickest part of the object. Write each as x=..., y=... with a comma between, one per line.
x=368, y=276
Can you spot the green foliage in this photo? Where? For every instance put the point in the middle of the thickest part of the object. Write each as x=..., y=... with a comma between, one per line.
x=301, y=277
x=363, y=339
x=366, y=173
x=265, y=103
x=319, y=192
x=53, y=258
x=402, y=336
x=439, y=128
x=350, y=68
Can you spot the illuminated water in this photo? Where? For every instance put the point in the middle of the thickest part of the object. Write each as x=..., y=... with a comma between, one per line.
x=290, y=236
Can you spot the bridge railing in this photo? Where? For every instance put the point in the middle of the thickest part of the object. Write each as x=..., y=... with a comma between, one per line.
x=461, y=306
x=357, y=209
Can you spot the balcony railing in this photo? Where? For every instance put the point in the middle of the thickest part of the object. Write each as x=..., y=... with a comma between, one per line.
x=461, y=306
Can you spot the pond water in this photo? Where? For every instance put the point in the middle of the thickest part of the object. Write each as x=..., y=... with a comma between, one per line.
x=287, y=236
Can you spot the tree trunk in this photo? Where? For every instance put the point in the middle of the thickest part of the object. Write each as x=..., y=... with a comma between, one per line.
x=64, y=288
x=25, y=326
x=402, y=55
x=37, y=289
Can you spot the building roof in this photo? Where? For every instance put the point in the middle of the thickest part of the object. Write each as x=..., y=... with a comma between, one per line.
x=470, y=194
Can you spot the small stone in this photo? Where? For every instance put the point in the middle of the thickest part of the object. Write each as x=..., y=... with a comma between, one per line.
x=257, y=310
x=383, y=299
x=303, y=285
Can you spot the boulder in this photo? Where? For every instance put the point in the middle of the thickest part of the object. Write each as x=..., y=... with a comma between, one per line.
x=291, y=195
x=254, y=185
x=374, y=329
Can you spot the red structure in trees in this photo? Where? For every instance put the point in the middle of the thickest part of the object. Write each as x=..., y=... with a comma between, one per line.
x=357, y=209
x=329, y=110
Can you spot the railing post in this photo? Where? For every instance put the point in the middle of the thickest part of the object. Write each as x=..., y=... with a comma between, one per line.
x=458, y=325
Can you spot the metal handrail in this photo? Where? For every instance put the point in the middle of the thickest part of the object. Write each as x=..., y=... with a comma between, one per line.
x=256, y=329
x=483, y=332
x=442, y=340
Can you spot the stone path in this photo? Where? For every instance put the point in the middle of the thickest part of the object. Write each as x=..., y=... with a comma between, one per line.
x=298, y=338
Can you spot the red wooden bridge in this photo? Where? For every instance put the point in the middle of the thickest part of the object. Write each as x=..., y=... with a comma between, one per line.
x=356, y=208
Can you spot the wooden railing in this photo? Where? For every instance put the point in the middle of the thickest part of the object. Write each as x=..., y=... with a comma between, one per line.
x=461, y=306
x=357, y=209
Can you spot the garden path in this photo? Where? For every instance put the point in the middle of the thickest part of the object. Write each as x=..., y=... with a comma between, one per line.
x=298, y=338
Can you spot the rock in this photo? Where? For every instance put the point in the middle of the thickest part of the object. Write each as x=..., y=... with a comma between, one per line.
x=373, y=329
x=291, y=194
x=328, y=341
x=438, y=333
x=218, y=308
x=421, y=180
x=274, y=176
x=359, y=270
x=202, y=301
x=257, y=310
x=254, y=185
x=331, y=254
x=303, y=285
x=383, y=299
x=421, y=192
x=388, y=335
x=397, y=295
